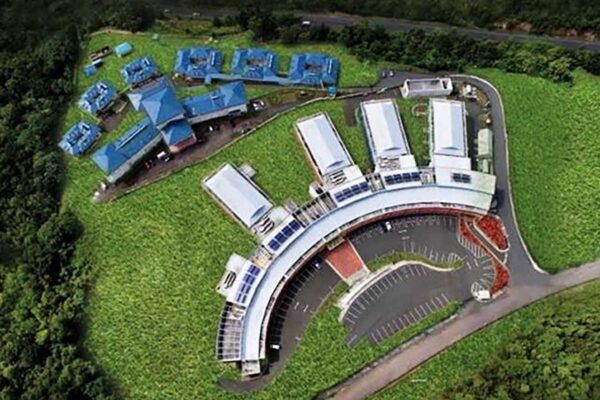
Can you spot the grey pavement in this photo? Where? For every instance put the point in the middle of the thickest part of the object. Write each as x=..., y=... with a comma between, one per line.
x=472, y=319
x=303, y=296
x=527, y=284
x=406, y=295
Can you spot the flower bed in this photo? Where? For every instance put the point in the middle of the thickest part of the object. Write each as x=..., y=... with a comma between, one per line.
x=501, y=278
x=492, y=228
x=501, y=272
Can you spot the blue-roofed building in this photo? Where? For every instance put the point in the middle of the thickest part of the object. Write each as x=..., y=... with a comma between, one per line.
x=313, y=69
x=255, y=64
x=159, y=101
x=118, y=157
x=178, y=135
x=123, y=49
x=139, y=71
x=229, y=99
x=198, y=62
x=98, y=97
x=79, y=138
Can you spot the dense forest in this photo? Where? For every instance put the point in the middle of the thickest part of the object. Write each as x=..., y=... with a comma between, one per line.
x=42, y=288
x=543, y=16
x=554, y=358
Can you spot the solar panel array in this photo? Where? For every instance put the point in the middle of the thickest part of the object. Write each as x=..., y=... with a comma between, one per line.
x=284, y=235
x=247, y=282
x=402, y=178
x=351, y=191
x=461, y=178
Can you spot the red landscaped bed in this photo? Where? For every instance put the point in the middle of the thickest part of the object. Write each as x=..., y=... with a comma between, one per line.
x=492, y=228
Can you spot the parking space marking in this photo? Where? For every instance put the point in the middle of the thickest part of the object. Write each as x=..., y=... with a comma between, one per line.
x=445, y=298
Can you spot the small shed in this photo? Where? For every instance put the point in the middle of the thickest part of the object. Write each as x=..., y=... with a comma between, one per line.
x=90, y=70
x=485, y=143
x=123, y=49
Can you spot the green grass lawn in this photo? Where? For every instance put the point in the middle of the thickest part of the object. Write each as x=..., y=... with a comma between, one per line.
x=417, y=130
x=159, y=252
x=471, y=355
x=554, y=146
x=352, y=72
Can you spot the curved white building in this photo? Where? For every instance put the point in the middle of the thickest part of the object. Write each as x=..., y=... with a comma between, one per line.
x=253, y=286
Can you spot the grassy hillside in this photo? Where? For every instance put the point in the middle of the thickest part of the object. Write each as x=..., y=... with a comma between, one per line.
x=163, y=51
x=554, y=145
x=159, y=252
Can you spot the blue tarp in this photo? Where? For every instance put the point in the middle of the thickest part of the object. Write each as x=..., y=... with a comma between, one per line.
x=123, y=49
x=97, y=97
x=90, y=70
x=113, y=155
x=229, y=95
x=79, y=138
x=139, y=70
x=198, y=62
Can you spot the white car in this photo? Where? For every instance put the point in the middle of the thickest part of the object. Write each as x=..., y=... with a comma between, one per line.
x=387, y=226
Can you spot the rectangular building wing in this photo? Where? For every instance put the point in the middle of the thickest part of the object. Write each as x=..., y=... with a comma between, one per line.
x=238, y=194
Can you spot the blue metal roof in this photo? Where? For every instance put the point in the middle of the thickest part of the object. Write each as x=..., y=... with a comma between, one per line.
x=229, y=95
x=158, y=100
x=198, y=62
x=90, y=70
x=97, y=97
x=111, y=156
x=79, y=138
x=139, y=70
x=123, y=49
x=255, y=64
x=313, y=69
x=176, y=132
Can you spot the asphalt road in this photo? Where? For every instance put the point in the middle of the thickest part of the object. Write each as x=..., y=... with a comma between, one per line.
x=527, y=284
x=407, y=294
x=400, y=25
x=300, y=300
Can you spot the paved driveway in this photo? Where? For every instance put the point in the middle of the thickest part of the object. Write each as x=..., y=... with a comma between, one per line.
x=405, y=295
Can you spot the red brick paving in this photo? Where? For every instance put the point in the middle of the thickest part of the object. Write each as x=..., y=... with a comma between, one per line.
x=344, y=260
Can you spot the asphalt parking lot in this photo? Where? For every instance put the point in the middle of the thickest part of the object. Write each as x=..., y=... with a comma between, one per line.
x=301, y=299
x=407, y=294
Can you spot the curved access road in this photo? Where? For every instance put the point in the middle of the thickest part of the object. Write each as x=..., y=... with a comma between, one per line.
x=399, y=25
x=528, y=283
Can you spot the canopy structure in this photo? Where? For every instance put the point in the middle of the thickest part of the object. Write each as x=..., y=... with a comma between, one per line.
x=238, y=194
x=323, y=144
x=384, y=129
x=448, y=127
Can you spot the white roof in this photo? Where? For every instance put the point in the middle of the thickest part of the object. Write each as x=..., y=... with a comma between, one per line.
x=238, y=194
x=313, y=235
x=449, y=127
x=384, y=128
x=323, y=143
